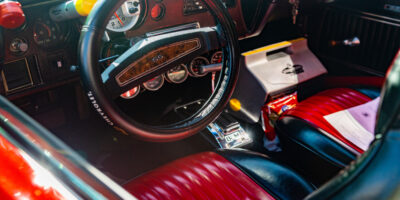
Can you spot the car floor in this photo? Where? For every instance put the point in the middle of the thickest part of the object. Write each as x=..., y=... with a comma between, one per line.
x=123, y=157
x=66, y=112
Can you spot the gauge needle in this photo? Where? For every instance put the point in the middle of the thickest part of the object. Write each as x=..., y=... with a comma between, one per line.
x=119, y=19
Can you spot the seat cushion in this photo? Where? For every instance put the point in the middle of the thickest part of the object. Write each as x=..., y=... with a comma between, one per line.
x=306, y=127
x=276, y=178
x=211, y=176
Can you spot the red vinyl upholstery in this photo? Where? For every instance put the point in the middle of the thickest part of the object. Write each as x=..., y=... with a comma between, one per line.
x=202, y=176
x=327, y=102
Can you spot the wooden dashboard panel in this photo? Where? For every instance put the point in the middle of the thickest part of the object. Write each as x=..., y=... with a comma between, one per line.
x=157, y=59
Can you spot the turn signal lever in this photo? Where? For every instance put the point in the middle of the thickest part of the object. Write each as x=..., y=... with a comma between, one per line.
x=11, y=14
x=71, y=9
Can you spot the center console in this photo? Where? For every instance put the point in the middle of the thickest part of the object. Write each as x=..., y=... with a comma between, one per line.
x=273, y=71
x=269, y=79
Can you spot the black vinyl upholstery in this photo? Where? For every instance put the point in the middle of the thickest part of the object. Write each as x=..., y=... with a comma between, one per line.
x=368, y=178
x=312, y=151
x=274, y=177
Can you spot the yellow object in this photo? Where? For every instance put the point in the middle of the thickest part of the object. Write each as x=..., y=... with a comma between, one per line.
x=235, y=104
x=83, y=7
x=268, y=48
x=297, y=40
x=273, y=46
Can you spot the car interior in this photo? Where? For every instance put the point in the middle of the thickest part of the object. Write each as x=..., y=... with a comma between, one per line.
x=205, y=99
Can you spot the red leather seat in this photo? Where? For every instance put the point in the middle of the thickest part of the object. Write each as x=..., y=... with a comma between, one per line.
x=306, y=135
x=229, y=174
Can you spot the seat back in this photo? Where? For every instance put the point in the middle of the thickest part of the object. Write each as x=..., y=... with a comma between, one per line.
x=390, y=99
x=376, y=174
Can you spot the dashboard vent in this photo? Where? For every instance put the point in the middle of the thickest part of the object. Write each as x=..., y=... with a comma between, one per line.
x=379, y=36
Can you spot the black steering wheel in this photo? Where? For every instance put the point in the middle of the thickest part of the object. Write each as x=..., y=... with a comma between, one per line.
x=153, y=56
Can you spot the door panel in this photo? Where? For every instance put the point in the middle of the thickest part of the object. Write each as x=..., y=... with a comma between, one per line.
x=379, y=39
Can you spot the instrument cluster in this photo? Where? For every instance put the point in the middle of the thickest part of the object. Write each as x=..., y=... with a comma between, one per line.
x=176, y=75
x=130, y=16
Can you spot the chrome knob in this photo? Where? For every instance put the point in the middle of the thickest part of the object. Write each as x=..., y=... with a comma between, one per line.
x=352, y=42
x=18, y=45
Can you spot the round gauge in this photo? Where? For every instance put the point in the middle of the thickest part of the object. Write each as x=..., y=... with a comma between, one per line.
x=132, y=93
x=177, y=74
x=126, y=17
x=155, y=83
x=216, y=57
x=47, y=33
x=195, y=65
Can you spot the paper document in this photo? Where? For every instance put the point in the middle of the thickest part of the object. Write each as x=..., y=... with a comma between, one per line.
x=356, y=124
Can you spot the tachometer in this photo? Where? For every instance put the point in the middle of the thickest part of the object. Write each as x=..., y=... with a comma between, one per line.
x=48, y=34
x=177, y=74
x=195, y=65
x=155, y=83
x=216, y=57
x=126, y=17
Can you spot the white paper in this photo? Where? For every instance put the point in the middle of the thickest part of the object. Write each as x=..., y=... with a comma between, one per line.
x=356, y=124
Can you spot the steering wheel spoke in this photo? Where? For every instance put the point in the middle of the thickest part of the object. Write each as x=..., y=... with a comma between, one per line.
x=155, y=55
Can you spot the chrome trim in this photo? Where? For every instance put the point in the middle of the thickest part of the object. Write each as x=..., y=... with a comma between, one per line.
x=194, y=25
x=106, y=37
x=351, y=42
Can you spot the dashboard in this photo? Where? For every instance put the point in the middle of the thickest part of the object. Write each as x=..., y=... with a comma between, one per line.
x=42, y=53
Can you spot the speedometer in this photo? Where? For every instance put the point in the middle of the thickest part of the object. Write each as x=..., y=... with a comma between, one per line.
x=126, y=17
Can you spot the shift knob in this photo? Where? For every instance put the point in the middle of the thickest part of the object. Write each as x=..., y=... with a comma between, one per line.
x=11, y=14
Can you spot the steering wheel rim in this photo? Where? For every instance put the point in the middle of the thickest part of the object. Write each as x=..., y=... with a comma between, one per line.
x=88, y=51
